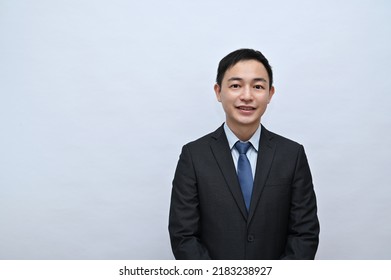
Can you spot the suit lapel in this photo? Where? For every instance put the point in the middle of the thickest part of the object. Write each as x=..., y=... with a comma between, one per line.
x=223, y=156
x=264, y=161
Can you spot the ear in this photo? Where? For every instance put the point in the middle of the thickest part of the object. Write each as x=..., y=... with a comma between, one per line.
x=218, y=92
x=271, y=93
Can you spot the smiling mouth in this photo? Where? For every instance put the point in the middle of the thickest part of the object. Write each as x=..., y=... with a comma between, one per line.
x=245, y=108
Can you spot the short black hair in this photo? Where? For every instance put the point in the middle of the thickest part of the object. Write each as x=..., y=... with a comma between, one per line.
x=240, y=55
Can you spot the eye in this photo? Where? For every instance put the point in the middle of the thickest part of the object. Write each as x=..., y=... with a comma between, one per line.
x=259, y=87
x=234, y=86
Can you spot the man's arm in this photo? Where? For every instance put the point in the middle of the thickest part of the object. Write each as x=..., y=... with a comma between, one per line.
x=184, y=220
x=303, y=232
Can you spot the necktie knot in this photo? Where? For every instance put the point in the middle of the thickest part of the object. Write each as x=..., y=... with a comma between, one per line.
x=242, y=147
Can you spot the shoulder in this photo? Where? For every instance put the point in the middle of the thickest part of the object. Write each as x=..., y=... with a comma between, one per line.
x=280, y=140
x=285, y=150
x=207, y=139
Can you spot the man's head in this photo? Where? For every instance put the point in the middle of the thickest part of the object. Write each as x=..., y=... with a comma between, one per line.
x=240, y=55
x=244, y=88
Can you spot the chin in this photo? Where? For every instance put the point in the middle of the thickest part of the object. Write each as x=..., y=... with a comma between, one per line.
x=249, y=122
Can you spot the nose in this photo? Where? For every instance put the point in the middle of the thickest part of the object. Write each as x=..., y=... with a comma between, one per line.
x=246, y=94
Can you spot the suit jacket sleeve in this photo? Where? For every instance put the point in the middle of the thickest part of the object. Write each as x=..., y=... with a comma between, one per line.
x=184, y=218
x=303, y=232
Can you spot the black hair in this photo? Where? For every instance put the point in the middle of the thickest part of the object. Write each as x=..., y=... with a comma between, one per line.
x=239, y=55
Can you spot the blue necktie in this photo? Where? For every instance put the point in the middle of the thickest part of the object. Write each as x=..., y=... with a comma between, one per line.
x=245, y=175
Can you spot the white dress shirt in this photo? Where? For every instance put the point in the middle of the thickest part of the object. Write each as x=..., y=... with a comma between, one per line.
x=252, y=153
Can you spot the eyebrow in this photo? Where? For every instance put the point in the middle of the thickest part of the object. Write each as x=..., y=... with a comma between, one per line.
x=240, y=79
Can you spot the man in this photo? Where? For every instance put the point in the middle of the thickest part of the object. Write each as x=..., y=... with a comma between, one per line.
x=243, y=192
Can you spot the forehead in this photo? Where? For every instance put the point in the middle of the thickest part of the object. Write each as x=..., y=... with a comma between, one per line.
x=247, y=69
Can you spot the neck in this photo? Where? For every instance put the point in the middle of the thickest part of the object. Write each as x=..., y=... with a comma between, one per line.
x=243, y=132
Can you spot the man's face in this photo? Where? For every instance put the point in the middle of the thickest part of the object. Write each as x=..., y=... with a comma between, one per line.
x=244, y=94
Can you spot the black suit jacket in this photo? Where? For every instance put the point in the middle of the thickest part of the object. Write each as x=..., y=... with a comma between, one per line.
x=208, y=218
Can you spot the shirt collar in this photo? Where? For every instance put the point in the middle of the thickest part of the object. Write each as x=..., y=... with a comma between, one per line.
x=232, y=139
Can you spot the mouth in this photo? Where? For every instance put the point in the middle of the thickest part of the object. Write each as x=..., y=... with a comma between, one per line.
x=245, y=108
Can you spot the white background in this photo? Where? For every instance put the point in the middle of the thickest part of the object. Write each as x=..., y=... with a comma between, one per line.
x=98, y=97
